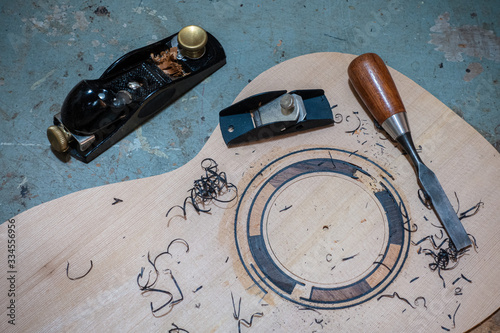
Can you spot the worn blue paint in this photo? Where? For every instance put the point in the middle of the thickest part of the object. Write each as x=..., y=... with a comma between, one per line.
x=47, y=48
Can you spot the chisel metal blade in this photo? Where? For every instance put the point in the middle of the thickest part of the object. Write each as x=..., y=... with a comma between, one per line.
x=372, y=81
x=435, y=193
x=453, y=226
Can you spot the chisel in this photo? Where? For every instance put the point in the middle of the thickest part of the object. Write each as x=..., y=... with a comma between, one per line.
x=372, y=81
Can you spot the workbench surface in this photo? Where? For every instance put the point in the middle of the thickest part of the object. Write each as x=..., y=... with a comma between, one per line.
x=450, y=48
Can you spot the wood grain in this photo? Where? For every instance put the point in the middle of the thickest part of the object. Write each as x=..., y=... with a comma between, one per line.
x=338, y=241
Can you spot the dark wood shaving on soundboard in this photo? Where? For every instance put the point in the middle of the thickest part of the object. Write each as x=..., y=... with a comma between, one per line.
x=116, y=201
x=349, y=258
x=424, y=198
x=208, y=188
x=177, y=329
x=241, y=321
x=150, y=286
x=471, y=211
x=395, y=294
x=79, y=277
x=286, y=208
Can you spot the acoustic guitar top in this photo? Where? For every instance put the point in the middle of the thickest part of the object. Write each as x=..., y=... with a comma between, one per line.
x=317, y=231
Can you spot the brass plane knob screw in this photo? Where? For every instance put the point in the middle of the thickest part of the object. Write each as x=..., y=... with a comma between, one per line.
x=192, y=40
x=58, y=138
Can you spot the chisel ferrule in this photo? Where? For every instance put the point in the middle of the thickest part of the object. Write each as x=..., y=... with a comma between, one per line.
x=396, y=125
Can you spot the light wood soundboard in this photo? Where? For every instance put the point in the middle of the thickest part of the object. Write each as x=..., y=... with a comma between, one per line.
x=318, y=239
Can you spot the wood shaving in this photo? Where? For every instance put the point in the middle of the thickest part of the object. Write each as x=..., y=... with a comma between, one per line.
x=167, y=62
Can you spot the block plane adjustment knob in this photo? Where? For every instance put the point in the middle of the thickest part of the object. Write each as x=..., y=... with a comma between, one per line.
x=58, y=138
x=192, y=40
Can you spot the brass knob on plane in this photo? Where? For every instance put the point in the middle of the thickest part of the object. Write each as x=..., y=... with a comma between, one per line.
x=58, y=138
x=192, y=40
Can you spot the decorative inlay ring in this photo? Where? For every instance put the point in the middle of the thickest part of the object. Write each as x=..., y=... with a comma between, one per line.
x=299, y=222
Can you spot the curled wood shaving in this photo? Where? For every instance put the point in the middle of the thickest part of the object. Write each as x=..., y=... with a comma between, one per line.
x=167, y=62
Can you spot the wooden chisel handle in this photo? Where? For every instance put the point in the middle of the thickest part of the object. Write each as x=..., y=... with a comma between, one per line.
x=374, y=84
